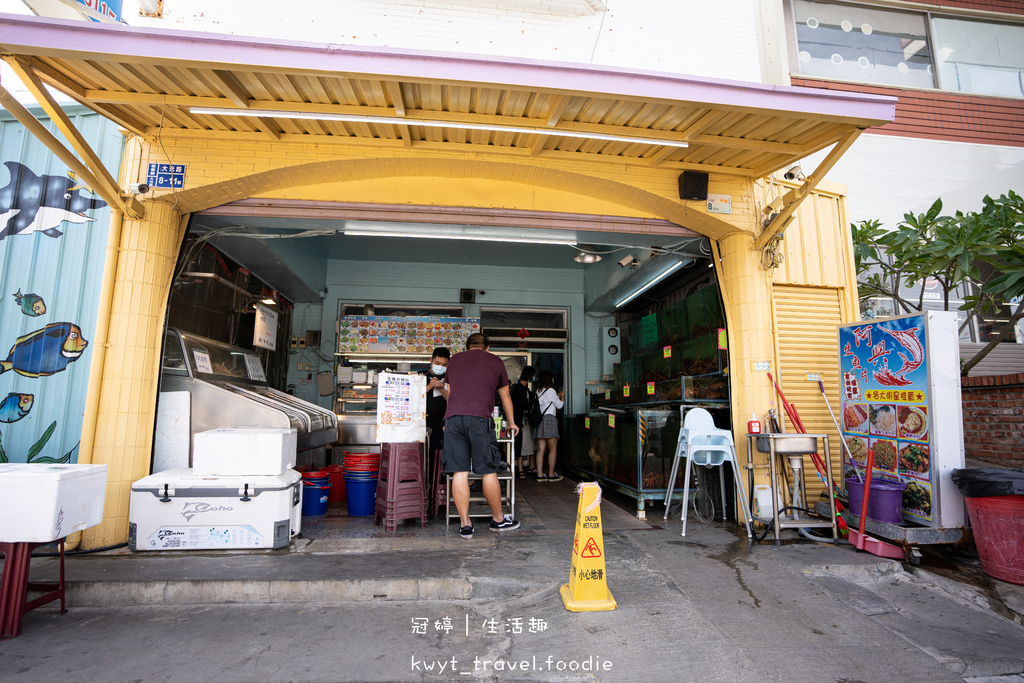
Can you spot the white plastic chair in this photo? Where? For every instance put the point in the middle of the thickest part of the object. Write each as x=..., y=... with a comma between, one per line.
x=701, y=443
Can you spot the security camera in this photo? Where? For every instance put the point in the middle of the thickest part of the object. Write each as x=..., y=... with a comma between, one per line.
x=138, y=188
x=627, y=261
x=795, y=173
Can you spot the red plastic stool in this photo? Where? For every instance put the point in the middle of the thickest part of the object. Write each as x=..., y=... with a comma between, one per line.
x=14, y=584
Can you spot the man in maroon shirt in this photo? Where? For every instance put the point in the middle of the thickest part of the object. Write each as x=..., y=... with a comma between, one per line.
x=469, y=441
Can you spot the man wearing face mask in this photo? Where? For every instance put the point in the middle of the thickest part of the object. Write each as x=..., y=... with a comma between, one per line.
x=437, y=398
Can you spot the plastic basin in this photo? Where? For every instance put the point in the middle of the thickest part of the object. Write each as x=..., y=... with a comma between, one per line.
x=998, y=523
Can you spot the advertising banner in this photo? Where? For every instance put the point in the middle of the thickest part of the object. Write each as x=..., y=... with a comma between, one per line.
x=901, y=397
x=389, y=334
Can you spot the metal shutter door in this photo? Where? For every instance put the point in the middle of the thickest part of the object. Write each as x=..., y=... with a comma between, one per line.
x=805, y=323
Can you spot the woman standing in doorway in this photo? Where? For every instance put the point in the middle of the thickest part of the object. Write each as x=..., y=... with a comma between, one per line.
x=547, y=433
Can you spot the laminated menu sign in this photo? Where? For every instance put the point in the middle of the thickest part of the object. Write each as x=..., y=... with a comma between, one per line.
x=391, y=334
x=900, y=385
x=265, y=331
x=401, y=408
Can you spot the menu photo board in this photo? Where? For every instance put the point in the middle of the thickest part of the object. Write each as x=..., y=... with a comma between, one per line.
x=389, y=334
x=901, y=397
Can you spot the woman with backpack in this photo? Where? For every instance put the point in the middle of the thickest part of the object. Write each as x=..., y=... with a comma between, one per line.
x=522, y=398
x=546, y=434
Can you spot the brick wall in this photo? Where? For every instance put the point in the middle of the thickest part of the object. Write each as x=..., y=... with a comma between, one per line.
x=943, y=115
x=994, y=419
x=1008, y=6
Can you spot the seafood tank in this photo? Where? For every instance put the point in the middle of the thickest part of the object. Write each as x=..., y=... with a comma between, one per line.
x=629, y=452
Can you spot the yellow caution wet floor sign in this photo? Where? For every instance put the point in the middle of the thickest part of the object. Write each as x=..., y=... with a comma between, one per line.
x=587, y=590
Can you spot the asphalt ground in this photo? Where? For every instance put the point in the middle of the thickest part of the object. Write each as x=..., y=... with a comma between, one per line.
x=425, y=605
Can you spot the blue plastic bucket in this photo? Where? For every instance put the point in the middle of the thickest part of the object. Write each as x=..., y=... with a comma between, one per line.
x=314, y=498
x=362, y=495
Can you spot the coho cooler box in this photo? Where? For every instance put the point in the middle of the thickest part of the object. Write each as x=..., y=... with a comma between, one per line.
x=180, y=510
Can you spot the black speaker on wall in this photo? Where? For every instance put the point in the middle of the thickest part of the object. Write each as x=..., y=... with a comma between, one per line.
x=467, y=296
x=693, y=185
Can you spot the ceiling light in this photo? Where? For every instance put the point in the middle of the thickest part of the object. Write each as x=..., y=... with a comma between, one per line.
x=650, y=283
x=430, y=123
x=440, y=236
x=268, y=301
x=586, y=253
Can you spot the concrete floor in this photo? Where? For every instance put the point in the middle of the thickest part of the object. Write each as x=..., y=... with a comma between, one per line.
x=344, y=603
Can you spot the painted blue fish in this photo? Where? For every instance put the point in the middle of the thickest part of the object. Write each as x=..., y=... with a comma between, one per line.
x=31, y=304
x=15, y=407
x=41, y=203
x=46, y=351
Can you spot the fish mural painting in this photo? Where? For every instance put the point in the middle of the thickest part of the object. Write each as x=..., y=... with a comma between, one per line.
x=53, y=239
x=30, y=304
x=15, y=407
x=41, y=203
x=45, y=352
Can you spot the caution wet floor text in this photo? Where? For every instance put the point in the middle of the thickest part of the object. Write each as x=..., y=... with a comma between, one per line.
x=587, y=590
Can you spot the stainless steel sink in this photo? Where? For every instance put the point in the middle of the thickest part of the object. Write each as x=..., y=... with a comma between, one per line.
x=788, y=444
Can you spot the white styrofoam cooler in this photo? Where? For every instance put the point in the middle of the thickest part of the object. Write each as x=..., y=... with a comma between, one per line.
x=181, y=510
x=41, y=503
x=244, y=451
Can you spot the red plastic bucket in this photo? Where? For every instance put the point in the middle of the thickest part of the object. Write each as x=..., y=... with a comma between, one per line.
x=337, y=494
x=998, y=524
x=886, y=502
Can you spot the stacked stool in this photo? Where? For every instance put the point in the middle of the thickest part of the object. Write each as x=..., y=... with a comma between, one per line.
x=401, y=489
x=439, y=486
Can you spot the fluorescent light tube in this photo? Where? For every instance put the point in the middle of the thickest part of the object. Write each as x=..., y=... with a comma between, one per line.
x=430, y=123
x=661, y=276
x=434, y=236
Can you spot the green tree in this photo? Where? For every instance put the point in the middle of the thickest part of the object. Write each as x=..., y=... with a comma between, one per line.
x=978, y=251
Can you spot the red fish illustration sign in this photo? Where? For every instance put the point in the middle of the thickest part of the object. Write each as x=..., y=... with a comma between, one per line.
x=901, y=397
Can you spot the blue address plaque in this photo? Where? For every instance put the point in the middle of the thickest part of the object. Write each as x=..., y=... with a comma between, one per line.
x=166, y=176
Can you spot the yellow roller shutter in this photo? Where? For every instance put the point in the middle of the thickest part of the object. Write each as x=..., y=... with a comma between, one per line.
x=805, y=323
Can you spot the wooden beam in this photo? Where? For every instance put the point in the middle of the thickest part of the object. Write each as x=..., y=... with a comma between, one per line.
x=158, y=100
x=63, y=123
x=234, y=92
x=793, y=198
x=397, y=100
x=538, y=144
x=557, y=109
x=111, y=195
x=268, y=127
x=701, y=124
x=660, y=156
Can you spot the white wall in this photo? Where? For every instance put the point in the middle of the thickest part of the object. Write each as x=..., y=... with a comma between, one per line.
x=713, y=39
x=887, y=176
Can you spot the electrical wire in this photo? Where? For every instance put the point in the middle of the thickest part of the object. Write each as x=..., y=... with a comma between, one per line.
x=600, y=28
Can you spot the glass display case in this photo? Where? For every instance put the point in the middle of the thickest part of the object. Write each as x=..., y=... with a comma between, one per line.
x=629, y=452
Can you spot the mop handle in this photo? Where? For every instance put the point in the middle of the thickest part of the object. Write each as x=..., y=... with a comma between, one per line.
x=864, y=498
x=846, y=448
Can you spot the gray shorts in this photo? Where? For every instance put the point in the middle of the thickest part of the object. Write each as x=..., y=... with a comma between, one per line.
x=470, y=446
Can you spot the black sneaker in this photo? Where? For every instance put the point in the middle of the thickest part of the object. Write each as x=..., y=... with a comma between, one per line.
x=467, y=531
x=507, y=524
x=555, y=477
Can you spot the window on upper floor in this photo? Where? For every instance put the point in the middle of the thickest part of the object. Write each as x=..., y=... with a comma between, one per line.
x=979, y=57
x=909, y=49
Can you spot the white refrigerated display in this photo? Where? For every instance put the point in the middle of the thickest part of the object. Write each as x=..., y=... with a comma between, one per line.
x=180, y=510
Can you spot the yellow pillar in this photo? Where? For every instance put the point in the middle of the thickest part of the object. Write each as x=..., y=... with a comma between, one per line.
x=747, y=291
x=123, y=439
